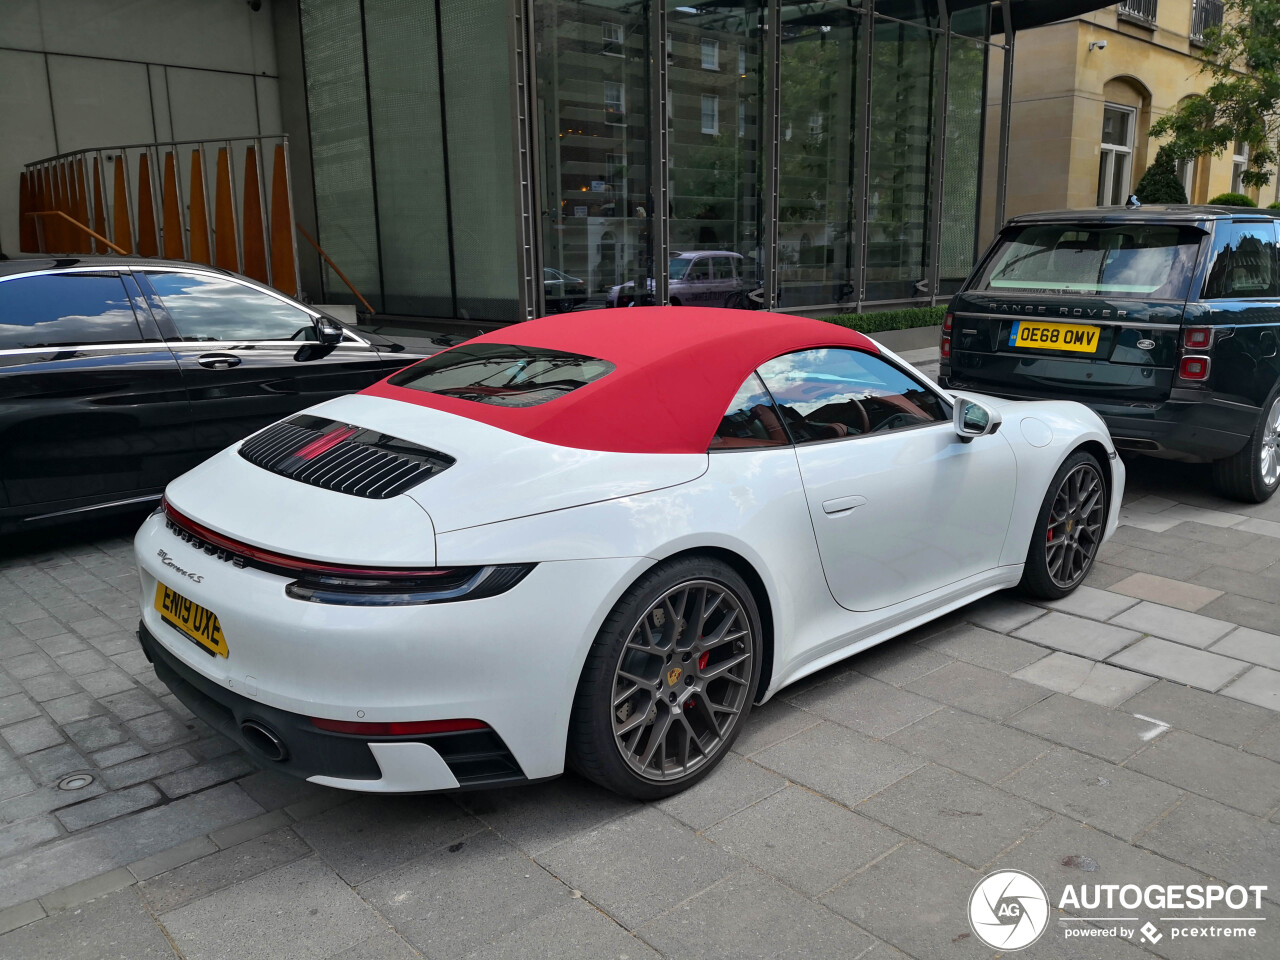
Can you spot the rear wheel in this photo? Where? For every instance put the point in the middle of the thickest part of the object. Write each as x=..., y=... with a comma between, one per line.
x=1068, y=530
x=669, y=681
x=1253, y=474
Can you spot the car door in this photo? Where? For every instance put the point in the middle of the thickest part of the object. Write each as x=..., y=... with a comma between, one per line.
x=697, y=283
x=250, y=356
x=900, y=505
x=92, y=407
x=723, y=282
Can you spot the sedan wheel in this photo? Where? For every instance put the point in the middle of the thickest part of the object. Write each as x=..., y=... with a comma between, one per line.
x=1068, y=529
x=669, y=680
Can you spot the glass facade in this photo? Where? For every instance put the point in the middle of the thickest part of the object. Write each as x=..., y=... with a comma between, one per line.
x=831, y=151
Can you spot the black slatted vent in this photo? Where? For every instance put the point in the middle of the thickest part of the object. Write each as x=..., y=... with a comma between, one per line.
x=342, y=457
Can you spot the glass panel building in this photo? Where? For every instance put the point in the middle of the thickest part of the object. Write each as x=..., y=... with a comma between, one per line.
x=497, y=159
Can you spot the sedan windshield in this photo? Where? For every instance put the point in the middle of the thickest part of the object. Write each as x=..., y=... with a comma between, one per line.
x=1146, y=260
x=502, y=375
x=678, y=268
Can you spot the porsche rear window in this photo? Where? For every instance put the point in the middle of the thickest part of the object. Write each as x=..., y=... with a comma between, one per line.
x=1147, y=260
x=502, y=375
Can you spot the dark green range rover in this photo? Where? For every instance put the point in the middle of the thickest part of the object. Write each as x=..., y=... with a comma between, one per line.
x=1165, y=320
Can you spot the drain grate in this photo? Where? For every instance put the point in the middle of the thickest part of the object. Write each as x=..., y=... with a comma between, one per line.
x=75, y=781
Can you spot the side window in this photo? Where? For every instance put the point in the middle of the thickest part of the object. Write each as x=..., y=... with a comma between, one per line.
x=751, y=420
x=722, y=268
x=699, y=270
x=65, y=310
x=1243, y=262
x=833, y=393
x=205, y=307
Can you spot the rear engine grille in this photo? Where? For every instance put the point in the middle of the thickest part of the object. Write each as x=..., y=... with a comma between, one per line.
x=343, y=458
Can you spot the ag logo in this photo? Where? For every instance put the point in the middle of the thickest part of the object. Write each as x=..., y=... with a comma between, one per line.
x=1008, y=910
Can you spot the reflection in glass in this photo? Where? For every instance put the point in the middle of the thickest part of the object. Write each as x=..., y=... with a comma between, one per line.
x=593, y=108
x=818, y=168
x=204, y=307
x=904, y=71
x=716, y=164
x=961, y=172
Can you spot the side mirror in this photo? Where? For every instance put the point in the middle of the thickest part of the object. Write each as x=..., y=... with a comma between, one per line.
x=973, y=419
x=328, y=330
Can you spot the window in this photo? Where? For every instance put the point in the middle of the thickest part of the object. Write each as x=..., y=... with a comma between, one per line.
x=1116, y=157
x=742, y=60
x=722, y=268
x=1186, y=172
x=65, y=310
x=612, y=39
x=1148, y=260
x=710, y=113
x=615, y=102
x=710, y=54
x=833, y=393
x=205, y=307
x=742, y=118
x=615, y=168
x=502, y=375
x=699, y=271
x=1239, y=164
x=1243, y=262
x=751, y=420
x=815, y=125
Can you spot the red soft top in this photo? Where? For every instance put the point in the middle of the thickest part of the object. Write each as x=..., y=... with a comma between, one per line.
x=677, y=370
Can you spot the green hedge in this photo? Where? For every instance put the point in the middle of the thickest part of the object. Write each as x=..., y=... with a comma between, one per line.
x=1274, y=206
x=904, y=319
x=1231, y=200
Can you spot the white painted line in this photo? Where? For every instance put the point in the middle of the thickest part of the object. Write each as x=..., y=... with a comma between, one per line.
x=1160, y=727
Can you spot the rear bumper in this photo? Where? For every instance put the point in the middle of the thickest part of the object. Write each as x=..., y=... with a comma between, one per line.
x=417, y=764
x=1190, y=429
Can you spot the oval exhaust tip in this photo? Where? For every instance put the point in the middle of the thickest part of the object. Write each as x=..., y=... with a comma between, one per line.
x=264, y=740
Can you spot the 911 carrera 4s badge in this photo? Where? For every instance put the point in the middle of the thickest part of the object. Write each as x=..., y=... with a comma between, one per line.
x=673, y=675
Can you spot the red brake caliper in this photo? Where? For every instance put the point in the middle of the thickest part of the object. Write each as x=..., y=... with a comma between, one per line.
x=702, y=660
x=1051, y=534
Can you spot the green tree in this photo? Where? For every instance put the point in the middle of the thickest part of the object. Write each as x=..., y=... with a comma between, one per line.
x=1243, y=100
x=1160, y=184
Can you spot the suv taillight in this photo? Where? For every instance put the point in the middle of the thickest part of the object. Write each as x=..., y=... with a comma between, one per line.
x=1194, y=368
x=1197, y=338
x=944, y=347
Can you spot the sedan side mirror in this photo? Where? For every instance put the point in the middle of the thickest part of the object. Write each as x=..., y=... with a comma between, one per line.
x=973, y=419
x=328, y=330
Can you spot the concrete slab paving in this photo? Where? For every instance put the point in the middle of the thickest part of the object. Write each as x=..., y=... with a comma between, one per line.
x=1172, y=623
x=1179, y=663
x=1251, y=645
x=1257, y=685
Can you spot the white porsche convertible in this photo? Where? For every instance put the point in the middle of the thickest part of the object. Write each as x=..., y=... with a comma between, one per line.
x=597, y=540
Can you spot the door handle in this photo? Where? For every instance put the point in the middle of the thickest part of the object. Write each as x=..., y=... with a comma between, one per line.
x=841, y=505
x=218, y=361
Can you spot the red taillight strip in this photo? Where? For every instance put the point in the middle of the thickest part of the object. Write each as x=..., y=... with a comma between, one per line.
x=269, y=558
x=398, y=728
x=326, y=442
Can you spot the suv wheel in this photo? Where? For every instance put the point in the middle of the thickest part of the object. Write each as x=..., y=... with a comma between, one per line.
x=1253, y=474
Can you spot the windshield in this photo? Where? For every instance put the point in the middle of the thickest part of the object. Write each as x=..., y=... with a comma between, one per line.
x=502, y=375
x=677, y=268
x=1146, y=260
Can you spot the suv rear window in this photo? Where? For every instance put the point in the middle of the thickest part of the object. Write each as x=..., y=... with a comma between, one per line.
x=502, y=375
x=1143, y=260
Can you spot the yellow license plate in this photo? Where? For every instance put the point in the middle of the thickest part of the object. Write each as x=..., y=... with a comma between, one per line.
x=1076, y=337
x=191, y=619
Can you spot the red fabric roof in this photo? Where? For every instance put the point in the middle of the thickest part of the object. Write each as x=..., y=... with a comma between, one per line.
x=677, y=370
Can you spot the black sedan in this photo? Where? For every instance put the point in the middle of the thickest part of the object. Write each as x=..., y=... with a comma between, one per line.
x=118, y=374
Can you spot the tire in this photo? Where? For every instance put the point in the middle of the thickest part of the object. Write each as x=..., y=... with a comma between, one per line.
x=625, y=694
x=1074, y=510
x=1253, y=474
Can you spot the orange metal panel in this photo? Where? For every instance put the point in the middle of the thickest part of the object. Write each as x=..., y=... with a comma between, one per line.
x=28, y=236
x=99, y=211
x=121, y=232
x=84, y=242
x=284, y=273
x=199, y=212
x=224, y=216
x=255, y=246
x=56, y=236
x=148, y=245
x=172, y=211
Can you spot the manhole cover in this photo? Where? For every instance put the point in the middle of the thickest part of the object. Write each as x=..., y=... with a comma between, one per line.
x=76, y=781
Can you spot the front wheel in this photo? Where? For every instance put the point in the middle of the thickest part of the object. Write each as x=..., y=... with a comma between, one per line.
x=1253, y=474
x=1068, y=530
x=668, y=683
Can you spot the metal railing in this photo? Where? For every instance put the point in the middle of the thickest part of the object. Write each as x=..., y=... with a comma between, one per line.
x=1204, y=14
x=204, y=201
x=1144, y=10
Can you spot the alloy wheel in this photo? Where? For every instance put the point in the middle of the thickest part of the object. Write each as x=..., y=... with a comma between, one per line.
x=682, y=680
x=1270, y=454
x=1075, y=525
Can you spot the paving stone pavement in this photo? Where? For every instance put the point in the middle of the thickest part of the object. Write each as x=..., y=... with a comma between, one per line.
x=1129, y=733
